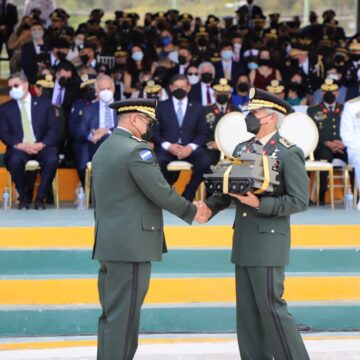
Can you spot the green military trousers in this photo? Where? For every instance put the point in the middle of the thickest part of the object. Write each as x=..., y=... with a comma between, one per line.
x=122, y=290
x=265, y=329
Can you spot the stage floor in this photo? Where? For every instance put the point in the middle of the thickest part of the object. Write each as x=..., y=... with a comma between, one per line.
x=69, y=216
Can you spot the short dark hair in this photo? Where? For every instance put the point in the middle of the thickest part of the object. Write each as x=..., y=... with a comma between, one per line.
x=179, y=77
x=65, y=65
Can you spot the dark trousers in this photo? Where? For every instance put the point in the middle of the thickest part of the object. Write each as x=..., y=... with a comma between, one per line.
x=122, y=290
x=214, y=156
x=324, y=153
x=201, y=165
x=15, y=161
x=265, y=329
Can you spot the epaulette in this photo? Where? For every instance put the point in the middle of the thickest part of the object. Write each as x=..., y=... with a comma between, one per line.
x=138, y=139
x=354, y=100
x=286, y=142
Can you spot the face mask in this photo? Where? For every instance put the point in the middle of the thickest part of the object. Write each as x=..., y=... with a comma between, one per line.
x=137, y=56
x=179, y=94
x=106, y=96
x=61, y=55
x=243, y=87
x=182, y=59
x=265, y=62
x=89, y=94
x=64, y=82
x=84, y=59
x=148, y=134
x=252, y=123
x=222, y=99
x=165, y=40
x=202, y=42
x=237, y=47
x=355, y=57
x=186, y=26
x=206, y=77
x=329, y=97
x=193, y=79
x=37, y=34
x=17, y=93
x=294, y=86
x=78, y=42
x=227, y=54
x=173, y=56
x=252, y=66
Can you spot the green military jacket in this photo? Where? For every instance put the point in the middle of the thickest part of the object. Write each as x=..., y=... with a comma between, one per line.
x=328, y=123
x=262, y=236
x=130, y=192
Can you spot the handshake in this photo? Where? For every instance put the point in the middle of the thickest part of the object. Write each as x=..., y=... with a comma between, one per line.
x=203, y=212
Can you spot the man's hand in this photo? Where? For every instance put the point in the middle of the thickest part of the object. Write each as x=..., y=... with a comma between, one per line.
x=249, y=199
x=37, y=147
x=30, y=149
x=98, y=134
x=185, y=152
x=175, y=149
x=203, y=212
x=212, y=145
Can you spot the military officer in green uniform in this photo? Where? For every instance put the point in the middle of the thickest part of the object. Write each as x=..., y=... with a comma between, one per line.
x=214, y=112
x=326, y=116
x=129, y=193
x=261, y=240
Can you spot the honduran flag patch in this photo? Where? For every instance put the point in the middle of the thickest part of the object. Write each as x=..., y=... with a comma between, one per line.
x=146, y=155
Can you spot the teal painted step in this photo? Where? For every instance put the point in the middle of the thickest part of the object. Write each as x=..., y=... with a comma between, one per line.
x=167, y=320
x=182, y=262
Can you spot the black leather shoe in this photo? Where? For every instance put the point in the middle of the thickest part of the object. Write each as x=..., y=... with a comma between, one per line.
x=39, y=204
x=23, y=204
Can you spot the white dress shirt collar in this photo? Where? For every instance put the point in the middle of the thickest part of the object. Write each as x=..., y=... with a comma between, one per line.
x=184, y=103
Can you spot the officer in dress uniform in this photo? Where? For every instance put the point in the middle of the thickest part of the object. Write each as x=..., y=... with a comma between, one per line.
x=129, y=193
x=327, y=115
x=351, y=74
x=214, y=112
x=261, y=241
x=350, y=135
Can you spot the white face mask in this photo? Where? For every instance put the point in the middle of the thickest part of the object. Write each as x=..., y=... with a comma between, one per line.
x=237, y=47
x=78, y=42
x=37, y=34
x=106, y=96
x=193, y=79
x=174, y=57
x=17, y=93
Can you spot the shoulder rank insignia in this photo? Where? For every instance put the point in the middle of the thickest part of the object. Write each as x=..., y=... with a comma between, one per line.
x=286, y=142
x=137, y=139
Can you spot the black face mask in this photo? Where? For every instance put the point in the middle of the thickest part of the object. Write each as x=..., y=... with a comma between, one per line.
x=202, y=42
x=329, y=97
x=265, y=62
x=355, y=57
x=294, y=86
x=186, y=26
x=179, y=94
x=182, y=59
x=89, y=94
x=243, y=87
x=61, y=55
x=222, y=99
x=206, y=77
x=84, y=59
x=146, y=136
x=252, y=123
x=64, y=82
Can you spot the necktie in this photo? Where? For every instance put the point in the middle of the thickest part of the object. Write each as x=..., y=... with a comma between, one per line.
x=180, y=114
x=208, y=96
x=108, y=119
x=59, y=96
x=227, y=71
x=331, y=108
x=25, y=122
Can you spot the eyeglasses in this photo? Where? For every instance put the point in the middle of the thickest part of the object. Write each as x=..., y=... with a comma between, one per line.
x=192, y=73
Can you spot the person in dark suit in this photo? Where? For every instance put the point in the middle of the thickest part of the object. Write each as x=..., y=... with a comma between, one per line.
x=98, y=119
x=80, y=146
x=29, y=130
x=250, y=11
x=227, y=67
x=8, y=20
x=181, y=134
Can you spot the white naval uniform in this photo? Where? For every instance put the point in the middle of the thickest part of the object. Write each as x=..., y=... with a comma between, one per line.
x=350, y=134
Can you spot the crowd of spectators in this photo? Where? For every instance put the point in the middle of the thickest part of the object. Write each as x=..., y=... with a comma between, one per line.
x=199, y=69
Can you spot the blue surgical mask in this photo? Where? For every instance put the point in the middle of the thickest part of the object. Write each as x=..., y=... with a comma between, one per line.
x=17, y=93
x=227, y=54
x=252, y=66
x=165, y=40
x=137, y=55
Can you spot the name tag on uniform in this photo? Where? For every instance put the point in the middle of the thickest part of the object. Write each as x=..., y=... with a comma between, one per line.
x=146, y=155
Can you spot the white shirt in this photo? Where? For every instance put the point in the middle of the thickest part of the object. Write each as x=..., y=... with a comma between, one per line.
x=225, y=64
x=350, y=125
x=27, y=104
x=182, y=69
x=53, y=60
x=305, y=66
x=56, y=91
x=204, y=94
x=37, y=48
x=184, y=103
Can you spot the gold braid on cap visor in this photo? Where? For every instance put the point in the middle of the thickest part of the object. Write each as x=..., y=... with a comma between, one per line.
x=257, y=104
x=144, y=109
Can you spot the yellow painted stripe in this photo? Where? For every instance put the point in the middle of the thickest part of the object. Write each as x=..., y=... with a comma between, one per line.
x=177, y=290
x=177, y=236
x=93, y=343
